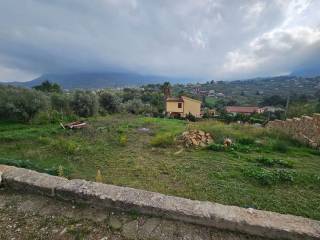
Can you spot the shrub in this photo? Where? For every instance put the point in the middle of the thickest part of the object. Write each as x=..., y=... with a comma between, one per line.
x=85, y=103
x=264, y=177
x=123, y=139
x=99, y=176
x=216, y=147
x=191, y=117
x=111, y=103
x=60, y=171
x=47, y=86
x=53, y=116
x=66, y=146
x=268, y=162
x=163, y=140
x=269, y=177
x=284, y=175
x=280, y=146
x=61, y=103
x=19, y=104
x=136, y=106
x=246, y=141
x=33, y=166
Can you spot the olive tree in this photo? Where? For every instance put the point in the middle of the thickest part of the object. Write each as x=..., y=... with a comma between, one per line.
x=84, y=103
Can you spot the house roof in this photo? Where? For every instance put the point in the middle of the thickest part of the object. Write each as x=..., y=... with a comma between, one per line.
x=180, y=99
x=191, y=99
x=237, y=109
x=174, y=99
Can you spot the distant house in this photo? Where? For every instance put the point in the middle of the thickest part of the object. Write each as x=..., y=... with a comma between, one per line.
x=243, y=110
x=183, y=106
x=272, y=109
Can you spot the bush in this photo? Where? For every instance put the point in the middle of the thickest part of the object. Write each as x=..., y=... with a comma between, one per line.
x=269, y=177
x=33, y=166
x=53, y=116
x=136, y=106
x=246, y=141
x=111, y=103
x=85, y=103
x=123, y=139
x=61, y=103
x=268, y=162
x=47, y=86
x=191, y=117
x=216, y=147
x=280, y=146
x=19, y=104
x=163, y=140
x=66, y=146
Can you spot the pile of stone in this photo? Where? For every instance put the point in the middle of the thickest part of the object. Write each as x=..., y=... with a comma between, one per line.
x=196, y=138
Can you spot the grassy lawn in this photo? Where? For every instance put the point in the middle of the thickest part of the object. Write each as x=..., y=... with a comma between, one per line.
x=263, y=170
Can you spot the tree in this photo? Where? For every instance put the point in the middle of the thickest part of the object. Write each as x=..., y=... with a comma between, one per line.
x=109, y=102
x=20, y=104
x=60, y=102
x=85, y=103
x=136, y=106
x=274, y=100
x=47, y=86
x=166, y=89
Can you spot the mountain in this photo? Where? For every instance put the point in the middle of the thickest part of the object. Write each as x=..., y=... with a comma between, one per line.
x=99, y=80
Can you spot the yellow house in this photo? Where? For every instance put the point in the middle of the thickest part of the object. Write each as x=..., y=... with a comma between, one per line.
x=183, y=106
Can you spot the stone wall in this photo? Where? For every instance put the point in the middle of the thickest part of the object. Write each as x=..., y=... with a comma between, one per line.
x=305, y=129
x=208, y=214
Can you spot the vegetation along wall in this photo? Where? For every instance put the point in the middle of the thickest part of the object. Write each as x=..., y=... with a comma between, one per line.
x=305, y=129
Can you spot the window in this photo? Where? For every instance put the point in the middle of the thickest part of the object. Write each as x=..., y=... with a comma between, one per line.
x=179, y=105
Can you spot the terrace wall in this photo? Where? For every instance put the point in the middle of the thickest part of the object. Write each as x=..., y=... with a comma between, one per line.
x=208, y=214
x=305, y=129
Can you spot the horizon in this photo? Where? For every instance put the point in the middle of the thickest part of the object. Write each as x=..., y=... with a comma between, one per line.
x=207, y=40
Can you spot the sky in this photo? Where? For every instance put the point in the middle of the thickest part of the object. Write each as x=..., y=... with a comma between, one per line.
x=204, y=39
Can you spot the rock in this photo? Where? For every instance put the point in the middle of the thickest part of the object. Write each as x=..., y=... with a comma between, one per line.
x=196, y=138
x=130, y=230
x=227, y=142
x=115, y=223
x=148, y=227
x=202, y=133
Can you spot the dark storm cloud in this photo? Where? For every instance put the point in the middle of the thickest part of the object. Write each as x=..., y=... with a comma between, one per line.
x=194, y=38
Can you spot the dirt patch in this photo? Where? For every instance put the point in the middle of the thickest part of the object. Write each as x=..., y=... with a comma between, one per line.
x=26, y=216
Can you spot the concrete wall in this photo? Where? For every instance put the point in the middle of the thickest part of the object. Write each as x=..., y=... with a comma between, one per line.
x=191, y=106
x=98, y=195
x=173, y=107
x=305, y=129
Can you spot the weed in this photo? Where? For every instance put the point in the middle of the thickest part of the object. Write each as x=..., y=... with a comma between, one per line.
x=246, y=141
x=60, y=171
x=163, y=140
x=66, y=146
x=280, y=146
x=123, y=139
x=269, y=162
x=99, y=176
x=31, y=165
x=268, y=177
x=216, y=147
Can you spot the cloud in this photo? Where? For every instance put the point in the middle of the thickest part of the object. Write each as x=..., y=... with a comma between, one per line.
x=207, y=39
x=280, y=51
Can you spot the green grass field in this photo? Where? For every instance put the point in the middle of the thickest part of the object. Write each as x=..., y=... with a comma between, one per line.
x=263, y=170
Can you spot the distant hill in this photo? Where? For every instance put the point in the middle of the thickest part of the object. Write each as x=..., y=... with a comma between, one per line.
x=252, y=91
x=99, y=80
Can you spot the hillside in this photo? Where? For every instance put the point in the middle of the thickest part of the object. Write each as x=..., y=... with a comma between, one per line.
x=264, y=170
x=98, y=80
x=252, y=91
